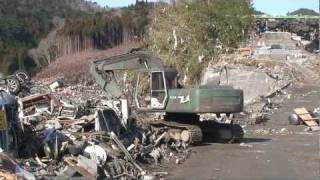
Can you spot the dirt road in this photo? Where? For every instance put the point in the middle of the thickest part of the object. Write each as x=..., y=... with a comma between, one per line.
x=290, y=155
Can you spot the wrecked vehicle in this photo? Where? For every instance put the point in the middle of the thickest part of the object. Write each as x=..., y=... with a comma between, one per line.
x=158, y=91
x=15, y=82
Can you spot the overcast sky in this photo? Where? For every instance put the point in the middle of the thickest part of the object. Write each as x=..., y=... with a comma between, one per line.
x=273, y=7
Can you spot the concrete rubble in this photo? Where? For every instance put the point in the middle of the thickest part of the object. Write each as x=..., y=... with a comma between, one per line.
x=273, y=131
x=276, y=61
x=264, y=91
x=64, y=132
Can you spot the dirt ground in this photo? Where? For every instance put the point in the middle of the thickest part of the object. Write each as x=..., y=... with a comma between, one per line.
x=292, y=155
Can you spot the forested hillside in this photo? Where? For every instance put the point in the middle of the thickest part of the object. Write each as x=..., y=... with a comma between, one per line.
x=61, y=27
x=23, y=23
x=188, y=34
x=304, y=11
x=104, y=30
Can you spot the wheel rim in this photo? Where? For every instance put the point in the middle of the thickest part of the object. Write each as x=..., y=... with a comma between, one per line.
x=12, y=84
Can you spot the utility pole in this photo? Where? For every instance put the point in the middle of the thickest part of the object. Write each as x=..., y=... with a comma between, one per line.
x=319, y=28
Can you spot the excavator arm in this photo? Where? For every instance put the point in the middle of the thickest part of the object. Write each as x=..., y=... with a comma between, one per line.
x=137, y=60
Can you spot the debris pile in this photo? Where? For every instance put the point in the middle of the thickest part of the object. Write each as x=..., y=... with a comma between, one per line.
x=64, y=132
x=272, y=63
x=303, y=116
x=273, y=131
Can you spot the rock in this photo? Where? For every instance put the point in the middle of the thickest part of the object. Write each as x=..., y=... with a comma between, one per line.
x=263, y=131
x=177, y=161
x=245, y=145
x=284, y=131
x=148, y=177
x=43, y=172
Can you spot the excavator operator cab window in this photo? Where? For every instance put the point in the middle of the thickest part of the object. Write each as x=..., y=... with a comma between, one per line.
x=158, y=90
x=143, y=91
x=151, y=91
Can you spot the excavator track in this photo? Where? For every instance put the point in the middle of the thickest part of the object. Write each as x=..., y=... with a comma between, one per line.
x=194, y=131
x=219, y=132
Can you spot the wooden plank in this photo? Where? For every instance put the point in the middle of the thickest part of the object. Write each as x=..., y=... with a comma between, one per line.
x=80, y=170
x=312, y=119
x=305, y=116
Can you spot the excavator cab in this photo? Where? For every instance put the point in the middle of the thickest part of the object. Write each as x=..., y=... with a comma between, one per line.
x=152, y=88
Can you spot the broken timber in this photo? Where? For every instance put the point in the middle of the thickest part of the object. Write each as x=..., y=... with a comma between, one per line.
x=79, y=169
x=307, y=118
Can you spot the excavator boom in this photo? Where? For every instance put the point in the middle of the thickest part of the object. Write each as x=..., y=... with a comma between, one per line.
x=103, y=69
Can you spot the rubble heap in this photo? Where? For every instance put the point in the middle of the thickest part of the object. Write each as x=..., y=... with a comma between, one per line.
x=59, y=131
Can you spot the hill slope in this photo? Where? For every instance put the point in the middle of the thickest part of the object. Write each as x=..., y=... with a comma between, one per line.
x=23, y=23
x=304, y=11
x=33, y=33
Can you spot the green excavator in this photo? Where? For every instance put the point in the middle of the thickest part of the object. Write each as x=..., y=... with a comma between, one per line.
x=157, y=90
